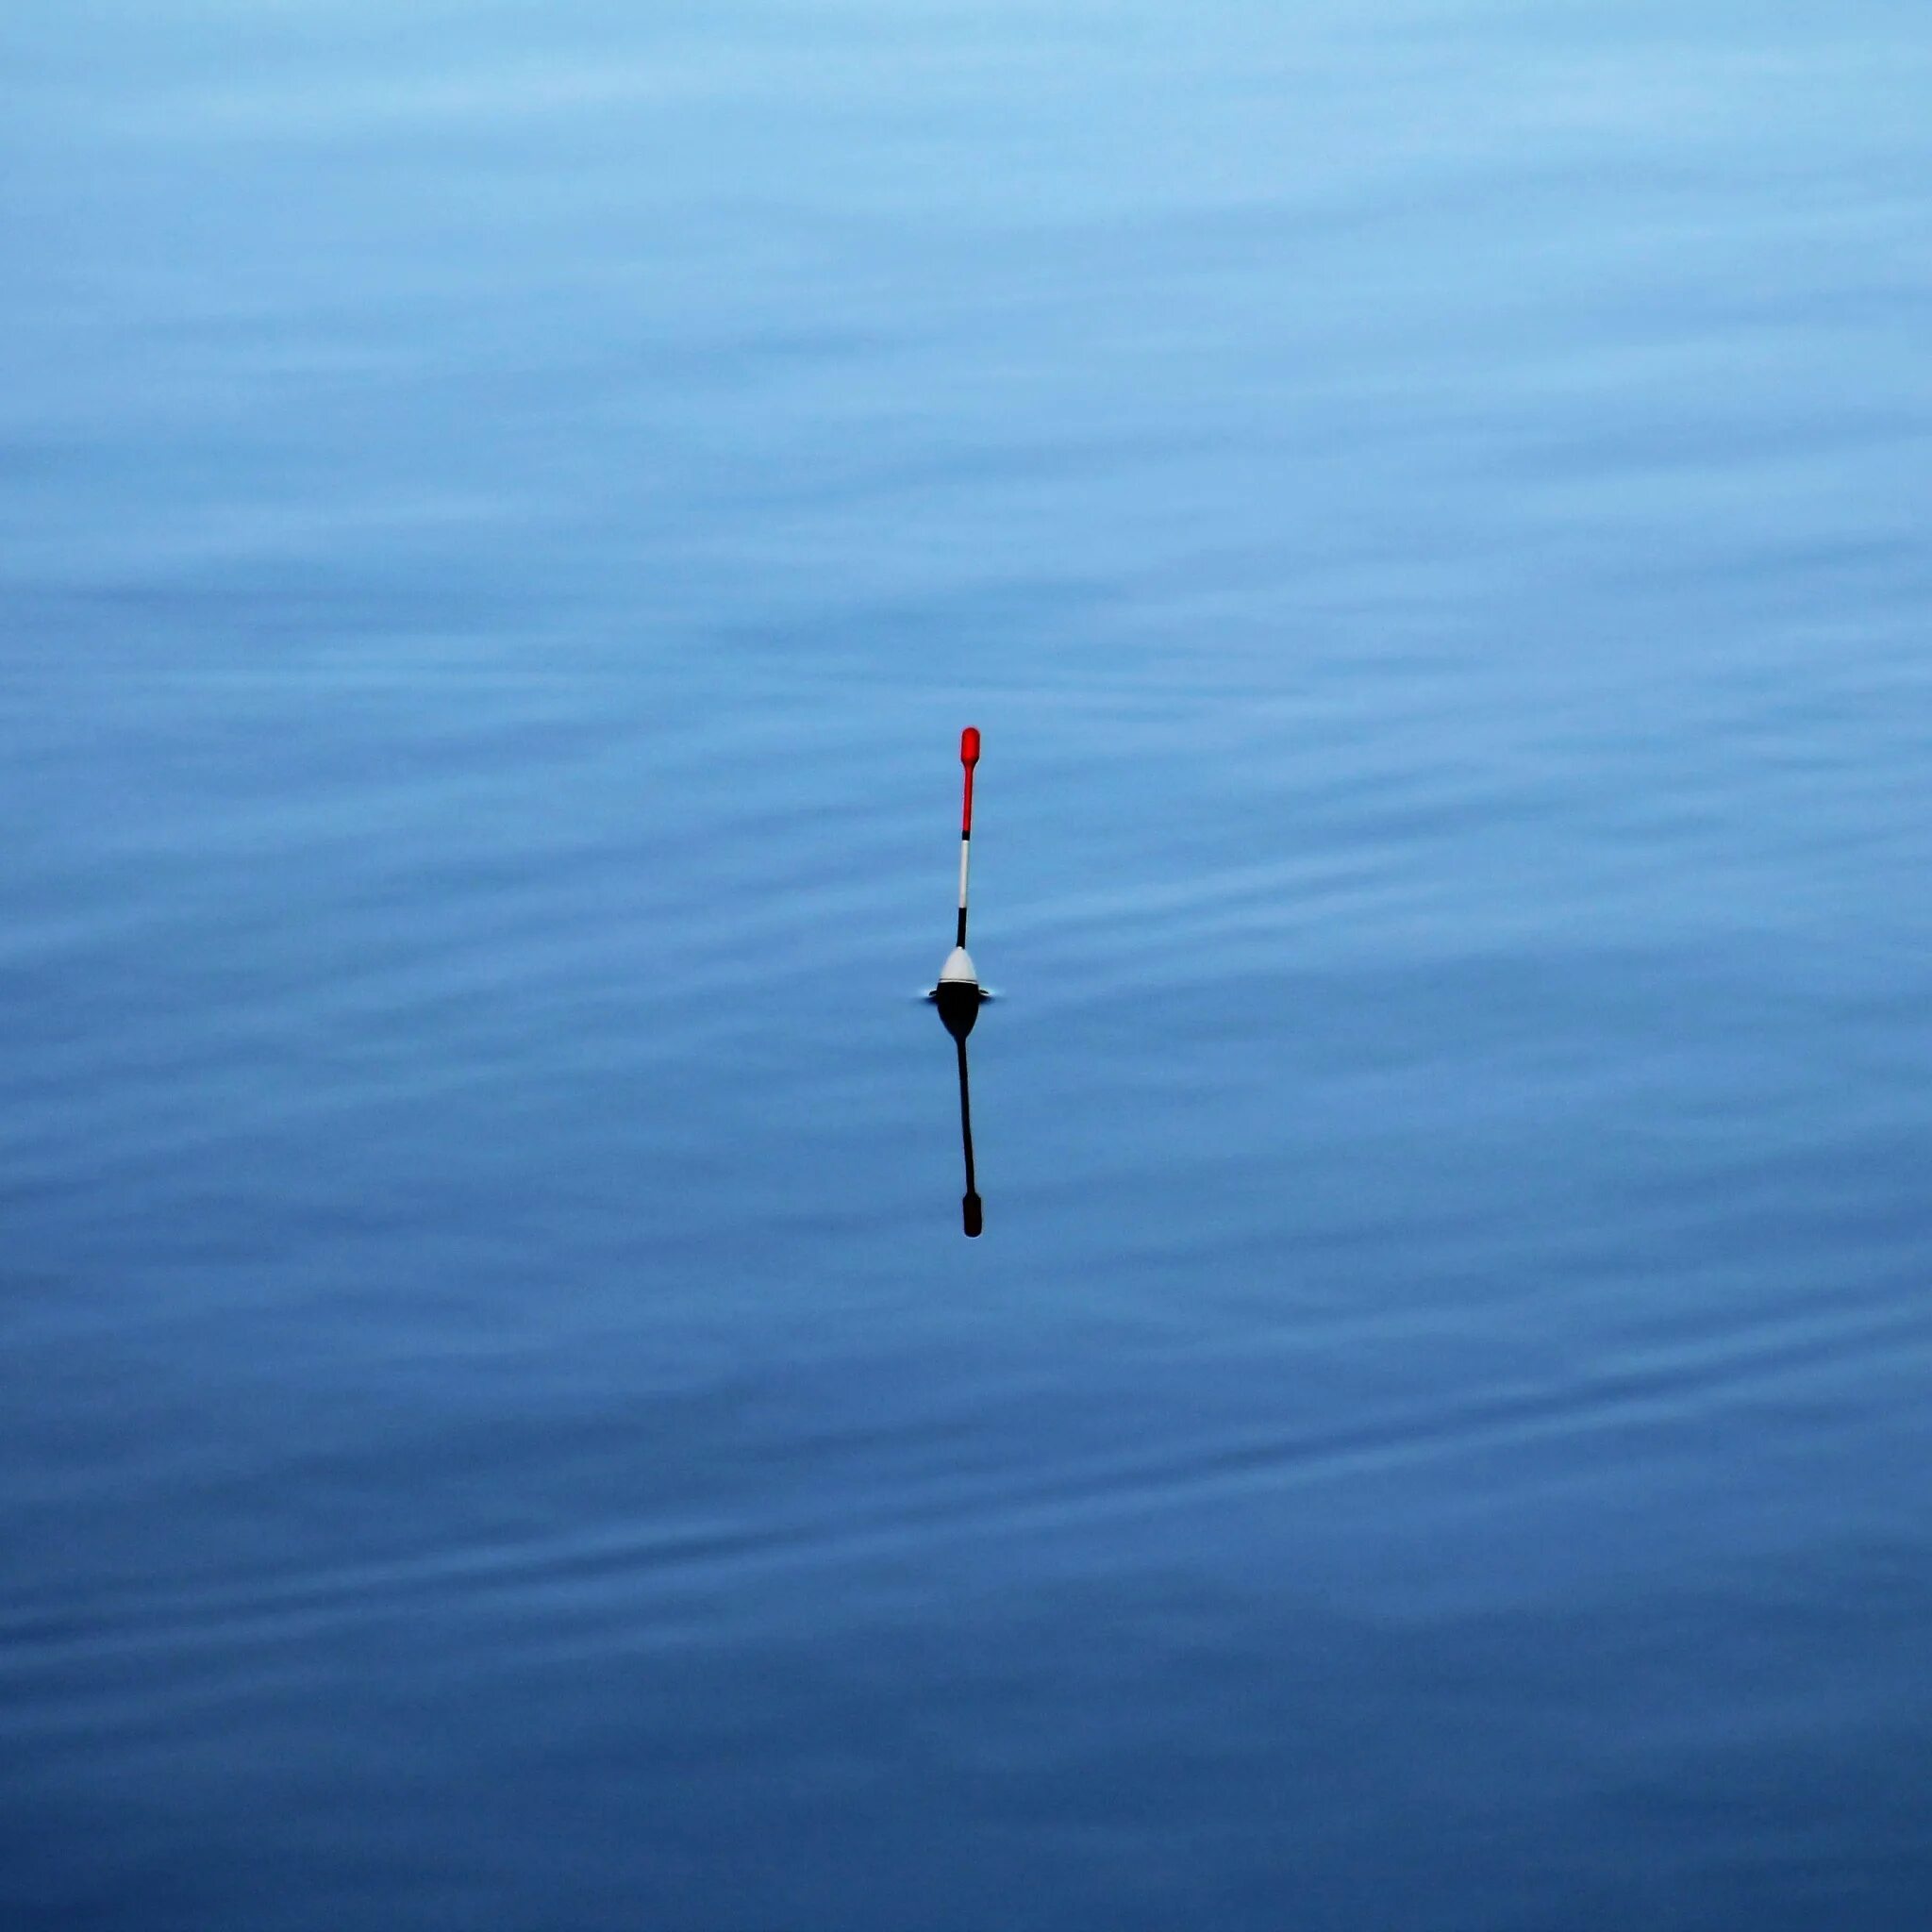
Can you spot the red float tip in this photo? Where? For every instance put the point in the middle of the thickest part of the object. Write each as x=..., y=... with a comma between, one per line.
x=969, y=746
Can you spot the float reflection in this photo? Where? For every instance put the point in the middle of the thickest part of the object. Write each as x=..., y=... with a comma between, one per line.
x=958, y=1008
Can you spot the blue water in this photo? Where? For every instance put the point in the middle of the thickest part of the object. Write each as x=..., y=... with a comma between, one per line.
x=504, y=512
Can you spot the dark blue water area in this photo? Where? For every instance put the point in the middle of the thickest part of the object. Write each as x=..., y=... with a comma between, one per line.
x=503, y=513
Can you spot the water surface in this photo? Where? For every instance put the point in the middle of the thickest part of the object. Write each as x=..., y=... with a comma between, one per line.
x=507, y=510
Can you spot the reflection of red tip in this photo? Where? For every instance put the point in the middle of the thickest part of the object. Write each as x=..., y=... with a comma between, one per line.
x=969, y=746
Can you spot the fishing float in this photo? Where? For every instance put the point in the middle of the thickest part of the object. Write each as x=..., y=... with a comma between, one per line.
x=959, y=992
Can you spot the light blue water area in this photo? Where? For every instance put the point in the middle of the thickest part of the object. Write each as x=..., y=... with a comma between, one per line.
x=504, y=512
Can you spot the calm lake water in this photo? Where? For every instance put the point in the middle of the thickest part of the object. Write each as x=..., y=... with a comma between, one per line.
x=504, y=512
